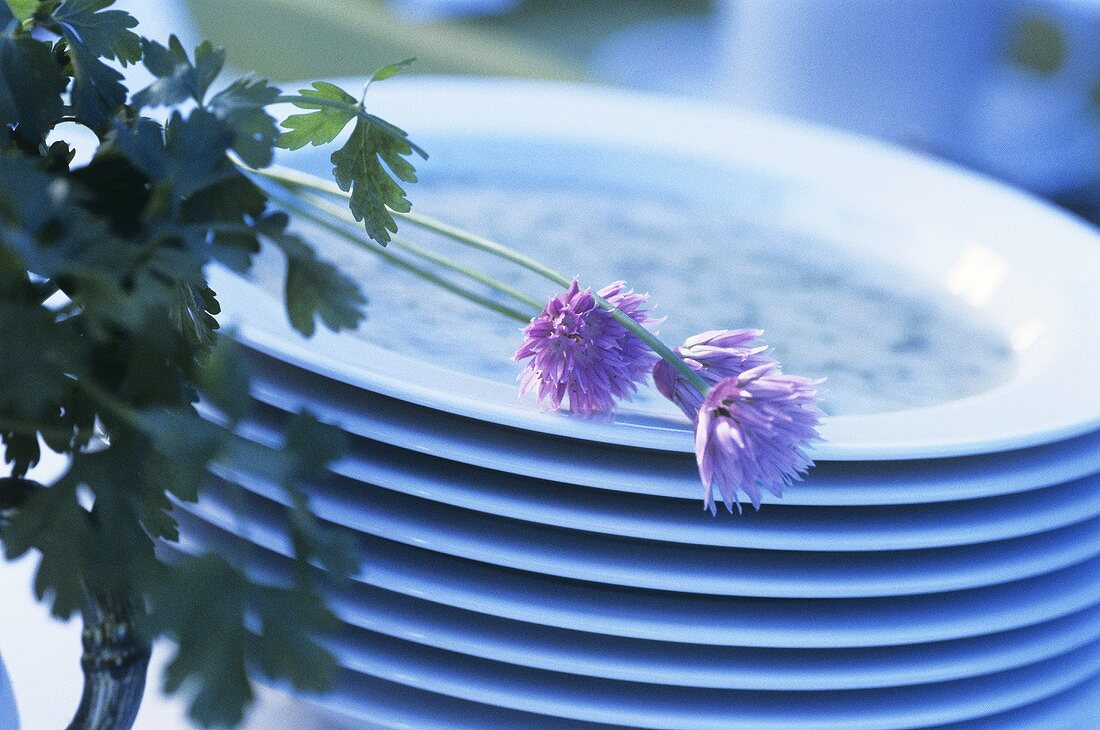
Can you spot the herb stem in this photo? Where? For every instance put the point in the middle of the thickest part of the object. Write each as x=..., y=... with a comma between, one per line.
x=288, y=177
x=310, y=211
x=296, y=179
x=655, y=343
x=477, y=276
x=422, y=253
x=484, y=244
x=498, y=249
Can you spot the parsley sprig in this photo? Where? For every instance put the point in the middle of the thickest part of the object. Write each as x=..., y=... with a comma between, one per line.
x=110, y=349
x=110, y=339
x=358, y=165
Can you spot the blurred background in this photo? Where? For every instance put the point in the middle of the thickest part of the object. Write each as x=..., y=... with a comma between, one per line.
x=1008, y=87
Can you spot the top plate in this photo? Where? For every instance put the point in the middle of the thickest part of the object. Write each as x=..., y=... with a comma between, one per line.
x=1025, y=267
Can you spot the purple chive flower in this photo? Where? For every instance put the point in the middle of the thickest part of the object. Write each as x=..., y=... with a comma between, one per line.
x=751, y=433
x=576, y=348
x=714, y=355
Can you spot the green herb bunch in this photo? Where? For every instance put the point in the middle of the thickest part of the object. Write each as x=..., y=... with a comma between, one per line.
x=109, y=342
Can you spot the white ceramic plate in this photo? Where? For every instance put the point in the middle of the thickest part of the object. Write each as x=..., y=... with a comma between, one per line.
x=676, y=567
x=371, y=465
x=1068, y=710
x=1029, y=268
x=373, y=473
x=688, y=665
x=365, y=701
x=396, y=648
x=364, y=607
x=639, y=705
x=648, y=704
x=700, y=619
x=664, y=473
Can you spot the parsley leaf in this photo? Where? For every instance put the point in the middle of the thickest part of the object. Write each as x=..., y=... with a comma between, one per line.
x=184, y=445
x=312, y=445
x=129, y=342
x=35, y=366
x=194, y=312
x=195, y=151
x=242, y=106
x=189, y=153
x=122, y=555
x=102, y=33
x=97, y=89
x=31, y=84
x=284, y=649
x=213, y=650
x=358, y=169
x=223, y=377
x=92, y=33
x=21, y=451
x=218, y=221
x=358, y=165
x=1038, y=45
x=321, y=126
x=53, y=521
x=315, y=289
x=177, y=79
x=390, y=70
x=210, y=654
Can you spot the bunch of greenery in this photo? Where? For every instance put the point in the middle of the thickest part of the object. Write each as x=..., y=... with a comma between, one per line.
x=109, y=342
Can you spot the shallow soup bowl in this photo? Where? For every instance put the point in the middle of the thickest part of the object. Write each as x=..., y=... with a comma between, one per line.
x=830, y=242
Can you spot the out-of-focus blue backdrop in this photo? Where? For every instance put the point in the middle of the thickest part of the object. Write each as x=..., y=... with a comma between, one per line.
x=1009, y=87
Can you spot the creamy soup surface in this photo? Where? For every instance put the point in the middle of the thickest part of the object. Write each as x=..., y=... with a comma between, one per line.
x=881, y=340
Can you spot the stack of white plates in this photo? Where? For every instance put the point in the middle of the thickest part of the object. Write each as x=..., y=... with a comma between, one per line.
x=939, y=567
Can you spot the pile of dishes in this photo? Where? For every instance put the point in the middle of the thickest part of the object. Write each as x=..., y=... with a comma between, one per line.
x=939, y=567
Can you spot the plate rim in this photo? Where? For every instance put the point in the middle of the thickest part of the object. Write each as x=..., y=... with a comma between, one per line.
x=833, y=484
x=1049, y=596
x=921, y=572
x=927, y=432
